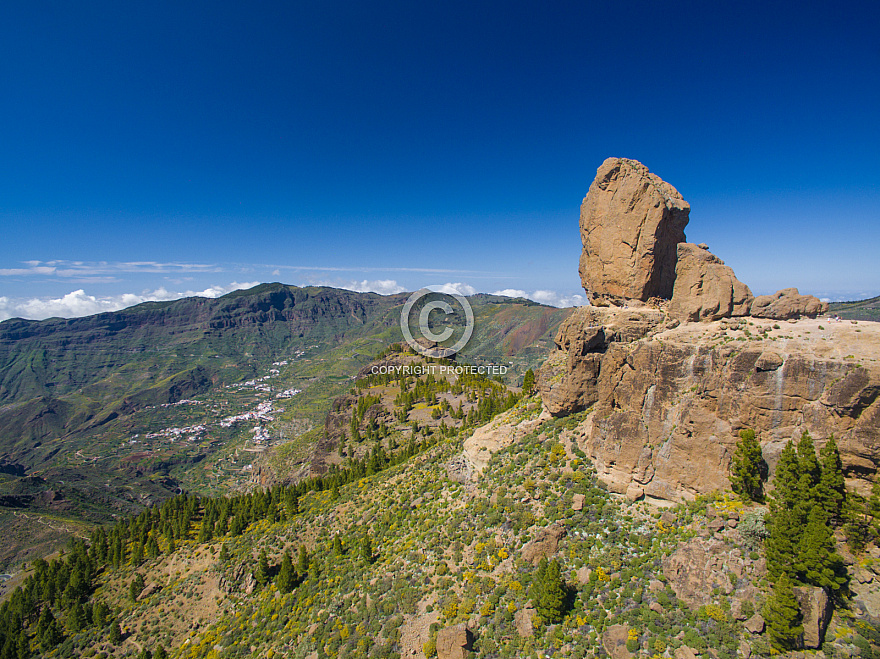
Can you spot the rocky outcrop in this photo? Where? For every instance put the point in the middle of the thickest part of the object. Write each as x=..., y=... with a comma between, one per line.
x=631, y=222
x=454, y=642
x=755, y=624
x=816, y=611
x=544, y=545
x=702, y=565
x=705, y=288
x=523, y=620
x=634, y=250
x=241, y=579
x=502, y=431
x=614, y=642
x=667, y=402
x=569, y=381
x=787, y=304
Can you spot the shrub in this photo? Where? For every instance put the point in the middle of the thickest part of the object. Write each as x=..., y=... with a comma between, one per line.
x=753, y=528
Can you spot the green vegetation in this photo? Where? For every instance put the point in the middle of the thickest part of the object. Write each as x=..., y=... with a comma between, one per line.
x=528, y=384
x=749, y=468
x=782, y=616
x=104, y=390
x=800, y=548
x=395, y=540
x=858, y=310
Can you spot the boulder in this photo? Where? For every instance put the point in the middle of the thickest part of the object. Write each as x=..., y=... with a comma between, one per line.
x=634, y=493
x=544, y=545
x=577, y=502
x=755, y=624
x=631, y=222
x=656, y=586
x=706, y=289
x=787, y=304
x=454, y=642
x=684, y=652
x=816, y=610
x=614, y=641
x=523, y=620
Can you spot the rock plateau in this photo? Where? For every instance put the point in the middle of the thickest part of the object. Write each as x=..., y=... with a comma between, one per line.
x=666, y=400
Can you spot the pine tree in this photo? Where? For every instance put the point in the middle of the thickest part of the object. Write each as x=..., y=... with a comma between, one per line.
x=302, y=563
x=548, y=592
x=831, y=491
x=338, y=549
x=100, y=614
x=116, y=636
x=783, y=616
x=748, y=466
x=528, y=385
x=224, y=552
x=262, y=572
x=818, y=564
x=291, y=504
x=76, y=618
x=786, y=480
x=136, y=587
x=23, y=646
x=783, y=544
x=809, y=475
x=367, y=549
x=160, y=653
x=48, y=631
x=856, y=521
x=285, y=578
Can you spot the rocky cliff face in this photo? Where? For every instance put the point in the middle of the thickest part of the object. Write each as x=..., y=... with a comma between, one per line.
x=667, y=400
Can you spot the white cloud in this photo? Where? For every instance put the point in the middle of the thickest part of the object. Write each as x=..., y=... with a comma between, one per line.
x=550, y=298
x=33, y=270
x=381, y=286
x=79, y=303
x=64, y=268
x=512, y=292
x=457, y=288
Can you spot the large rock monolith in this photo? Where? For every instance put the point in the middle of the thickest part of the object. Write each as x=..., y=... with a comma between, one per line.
x=631, y=223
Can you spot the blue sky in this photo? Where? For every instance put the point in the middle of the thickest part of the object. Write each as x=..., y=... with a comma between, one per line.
x=150, y=150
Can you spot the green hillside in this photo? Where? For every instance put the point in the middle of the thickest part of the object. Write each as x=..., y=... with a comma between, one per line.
x=121, y=410
x=859, y=310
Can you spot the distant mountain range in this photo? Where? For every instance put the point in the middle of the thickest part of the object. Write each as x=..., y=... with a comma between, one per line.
x=78, y=395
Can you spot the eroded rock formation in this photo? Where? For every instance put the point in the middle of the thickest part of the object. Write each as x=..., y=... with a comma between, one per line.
x=631, y=222
x=634, y=250
x=667, y=400
x=787, y=304
x=705, y=288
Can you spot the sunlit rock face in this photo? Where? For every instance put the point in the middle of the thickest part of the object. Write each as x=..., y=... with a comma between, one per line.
x=667, y=399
